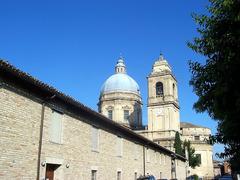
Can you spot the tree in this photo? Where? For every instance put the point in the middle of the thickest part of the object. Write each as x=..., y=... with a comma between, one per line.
x=216, y=82
x=178, y=145
x=193, y=159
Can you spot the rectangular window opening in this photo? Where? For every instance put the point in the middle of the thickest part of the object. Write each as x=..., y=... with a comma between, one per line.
x=56, y=127
x=119, y=146
x=95, y=139
x=94, y=175
x=135, y=176
x=126, y=115
x=119, y=175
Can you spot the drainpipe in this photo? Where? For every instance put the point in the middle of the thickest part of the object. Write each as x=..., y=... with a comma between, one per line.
x=144, y=161
x=40, y=141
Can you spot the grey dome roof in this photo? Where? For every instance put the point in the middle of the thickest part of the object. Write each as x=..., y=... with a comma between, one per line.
x=120, y=81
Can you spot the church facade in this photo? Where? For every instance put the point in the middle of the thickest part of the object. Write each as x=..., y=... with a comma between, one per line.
x=120, y=100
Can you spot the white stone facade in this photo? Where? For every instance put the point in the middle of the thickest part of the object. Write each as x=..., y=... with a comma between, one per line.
x=199, y=138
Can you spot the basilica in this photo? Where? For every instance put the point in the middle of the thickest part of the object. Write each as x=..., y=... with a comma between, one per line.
x=46, y=134
x=120, y=100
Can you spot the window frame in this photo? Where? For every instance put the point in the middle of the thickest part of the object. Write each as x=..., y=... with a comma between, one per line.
x=159, y=89
x=95, y=133
x=126, y=115
x=93, y=174
x=110, y=114
x=52, y=127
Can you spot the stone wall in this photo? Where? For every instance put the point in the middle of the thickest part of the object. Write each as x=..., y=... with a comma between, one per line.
x=20, y=118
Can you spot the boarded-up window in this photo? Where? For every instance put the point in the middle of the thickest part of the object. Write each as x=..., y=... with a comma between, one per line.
x=160, y=158
x=119, y=146
x=155, y=157
x=148, y=155
x=56, y=127
x=135, y=151
x=95, y=139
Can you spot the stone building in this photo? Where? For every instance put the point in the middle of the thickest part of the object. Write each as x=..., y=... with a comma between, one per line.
x=120, y=100
x=199, y=138
x=45, y=134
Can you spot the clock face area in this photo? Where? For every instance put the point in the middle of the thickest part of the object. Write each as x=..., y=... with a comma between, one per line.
x=159, y=112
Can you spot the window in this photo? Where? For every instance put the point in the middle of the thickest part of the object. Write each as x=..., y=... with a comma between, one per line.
x=155, y=157
x=94, y=175
x=126, y=115
x=148, y=155
x=159, y=89
x=119, y=146
x=135, y=151
x=199, y=157
x=119, y=175
x=56, y=127
x=110, y=114
x=160, y=157
x=164, y=159
x=95, y=139
x=135, y=176
x=196, y=138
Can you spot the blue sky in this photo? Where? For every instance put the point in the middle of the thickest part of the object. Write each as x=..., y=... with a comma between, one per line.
x=74, y=45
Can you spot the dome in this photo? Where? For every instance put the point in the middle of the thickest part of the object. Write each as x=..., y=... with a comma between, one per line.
x=120, y=83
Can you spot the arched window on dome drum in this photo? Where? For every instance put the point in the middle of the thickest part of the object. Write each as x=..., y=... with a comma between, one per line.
x=159, y=89
x=110, y=114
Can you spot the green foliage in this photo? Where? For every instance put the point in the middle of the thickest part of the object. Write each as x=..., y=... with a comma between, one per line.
x=192, y=158
x=216, y=82
x=195, y=177
x=178, y=145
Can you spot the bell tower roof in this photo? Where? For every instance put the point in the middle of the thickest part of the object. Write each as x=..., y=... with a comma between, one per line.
x=161, y=66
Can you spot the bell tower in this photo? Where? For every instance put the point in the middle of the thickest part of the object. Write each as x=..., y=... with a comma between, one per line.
x=163, y=106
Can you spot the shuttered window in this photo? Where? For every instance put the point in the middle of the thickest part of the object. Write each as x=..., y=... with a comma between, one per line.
x=135, y=151
x=148, y=155
x=95, y=139
x=56, y=127
x=119, y=146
